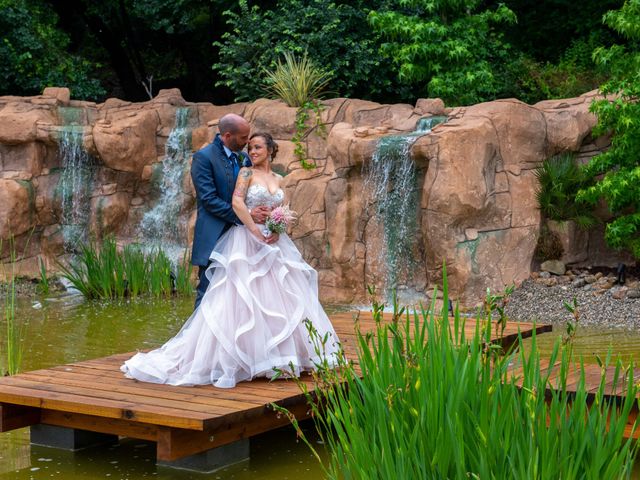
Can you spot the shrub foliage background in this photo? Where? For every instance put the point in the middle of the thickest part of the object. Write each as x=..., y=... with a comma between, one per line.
x=384, y=50
x=618, y=169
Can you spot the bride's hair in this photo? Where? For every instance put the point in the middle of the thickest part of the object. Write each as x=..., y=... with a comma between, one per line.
x=272, y=146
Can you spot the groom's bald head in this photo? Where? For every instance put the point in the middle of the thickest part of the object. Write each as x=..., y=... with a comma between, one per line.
x=231, y=123
x=234, y=131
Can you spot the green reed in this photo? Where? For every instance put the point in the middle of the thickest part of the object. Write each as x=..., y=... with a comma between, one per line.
x=105, y=271
x=432, y=404
x=43, y=285
x=160, y=274
x=183, y=284
x=11, y=349
x=136, y=270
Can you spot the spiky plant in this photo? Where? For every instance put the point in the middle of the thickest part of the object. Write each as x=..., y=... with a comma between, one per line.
x=297, y=80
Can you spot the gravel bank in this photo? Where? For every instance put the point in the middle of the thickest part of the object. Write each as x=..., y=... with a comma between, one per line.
x=600, y=303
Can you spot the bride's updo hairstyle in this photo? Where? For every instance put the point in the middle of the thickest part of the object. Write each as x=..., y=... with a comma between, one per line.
x=272, y=146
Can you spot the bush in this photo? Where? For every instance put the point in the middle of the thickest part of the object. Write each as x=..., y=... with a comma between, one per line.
x=33, y=53
x=449, y=49
x=335, y=35
x=560, y=178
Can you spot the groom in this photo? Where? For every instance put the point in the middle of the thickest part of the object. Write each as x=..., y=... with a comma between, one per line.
x=214, y=171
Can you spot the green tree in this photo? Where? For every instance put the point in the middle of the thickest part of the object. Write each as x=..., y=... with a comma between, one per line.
x=34, y=53
x=446, y=48
x=618, y=169
x=334, y=34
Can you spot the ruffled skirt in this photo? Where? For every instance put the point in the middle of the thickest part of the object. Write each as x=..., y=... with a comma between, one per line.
x=260, y=314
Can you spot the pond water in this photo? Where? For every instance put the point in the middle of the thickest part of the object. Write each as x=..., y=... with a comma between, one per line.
x=68, y=329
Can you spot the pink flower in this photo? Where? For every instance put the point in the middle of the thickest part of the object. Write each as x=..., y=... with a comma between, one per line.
x=280, y=218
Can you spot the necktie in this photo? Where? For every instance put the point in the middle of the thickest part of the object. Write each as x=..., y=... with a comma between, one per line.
x=234, y=163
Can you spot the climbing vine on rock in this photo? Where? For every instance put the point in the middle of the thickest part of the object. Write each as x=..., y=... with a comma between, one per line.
x=303, y=114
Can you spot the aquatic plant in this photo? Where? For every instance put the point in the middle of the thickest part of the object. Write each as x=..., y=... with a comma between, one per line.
x=103, y=271
x=423, y=401
x=43, y=285
x=11, y=348
x=183, y=285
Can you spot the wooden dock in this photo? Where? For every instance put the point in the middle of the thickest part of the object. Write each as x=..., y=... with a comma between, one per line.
x=94, y=395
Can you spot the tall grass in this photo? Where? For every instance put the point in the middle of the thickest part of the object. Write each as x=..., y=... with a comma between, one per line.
x=11, y=346
x=43, y=285
x=104, y=271
x=424, y=402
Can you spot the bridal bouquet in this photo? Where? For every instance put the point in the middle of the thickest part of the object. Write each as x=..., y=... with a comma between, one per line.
x=279, y=219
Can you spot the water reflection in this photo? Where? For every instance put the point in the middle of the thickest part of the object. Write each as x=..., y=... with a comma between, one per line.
x=592, y=342
x=275, y=455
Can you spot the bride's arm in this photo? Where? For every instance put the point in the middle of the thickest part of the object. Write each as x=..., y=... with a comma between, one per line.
x=239, y=205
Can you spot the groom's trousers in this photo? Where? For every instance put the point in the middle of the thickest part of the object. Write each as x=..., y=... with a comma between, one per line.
x=203, y=283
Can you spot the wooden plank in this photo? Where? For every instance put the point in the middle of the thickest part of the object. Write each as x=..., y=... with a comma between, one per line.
x=178, y=443
x=259, y=391
x=210, y=414
x=170, y=397
x=116, y=426
x=141, y=402
x=17, y=416
x=94, y=406
x=109, y=370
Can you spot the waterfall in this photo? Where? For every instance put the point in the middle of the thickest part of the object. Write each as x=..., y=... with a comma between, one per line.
x=159, y=226
x=76, y=179
x=390, y=180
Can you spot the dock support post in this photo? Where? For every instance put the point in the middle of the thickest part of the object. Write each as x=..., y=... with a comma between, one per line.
x=68, y=438
x=212, y=459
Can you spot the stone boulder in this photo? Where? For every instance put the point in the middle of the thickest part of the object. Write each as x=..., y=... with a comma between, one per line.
x=128, y=143
x=19, y=121
x=16, y=208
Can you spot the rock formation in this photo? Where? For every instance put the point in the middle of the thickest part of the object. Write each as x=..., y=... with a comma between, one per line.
x=476, y=208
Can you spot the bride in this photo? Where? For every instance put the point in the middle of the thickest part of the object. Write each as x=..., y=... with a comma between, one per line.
x=251, y=321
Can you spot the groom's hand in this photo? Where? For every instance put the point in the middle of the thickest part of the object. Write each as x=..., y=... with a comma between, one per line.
x=260, y=214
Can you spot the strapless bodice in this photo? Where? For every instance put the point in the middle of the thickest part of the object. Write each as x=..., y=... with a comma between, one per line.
x=258, y=194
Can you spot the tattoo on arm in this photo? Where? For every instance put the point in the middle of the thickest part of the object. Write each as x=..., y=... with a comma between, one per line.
x=240, y=191
x=244, y=178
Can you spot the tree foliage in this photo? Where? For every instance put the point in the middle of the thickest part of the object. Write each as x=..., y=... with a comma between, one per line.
x=33, y=53
x=445, y=48
x=334, y=34
x=618, y=169
x=461, y=50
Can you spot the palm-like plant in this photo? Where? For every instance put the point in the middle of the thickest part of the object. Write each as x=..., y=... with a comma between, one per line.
x=297, y=81
x=560, y=178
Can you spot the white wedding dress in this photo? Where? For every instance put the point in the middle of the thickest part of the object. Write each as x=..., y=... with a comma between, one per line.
x=251, y=321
